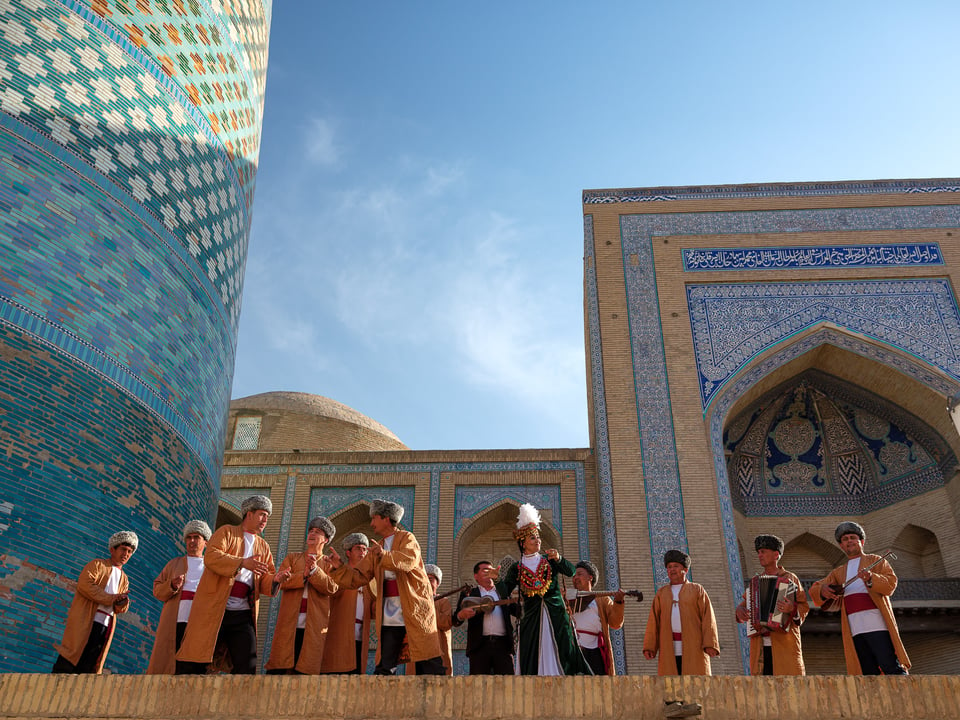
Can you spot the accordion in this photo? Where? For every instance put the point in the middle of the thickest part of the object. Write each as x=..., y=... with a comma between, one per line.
x=763, y=594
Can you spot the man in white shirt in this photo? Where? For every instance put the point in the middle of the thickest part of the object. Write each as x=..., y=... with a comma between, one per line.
x=490, y=635
x=101, y=595
x=593, y=617
x=175, y=587
x=871, y=640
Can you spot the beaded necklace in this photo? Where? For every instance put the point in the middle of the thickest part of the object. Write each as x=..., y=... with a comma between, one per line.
x=535, y=582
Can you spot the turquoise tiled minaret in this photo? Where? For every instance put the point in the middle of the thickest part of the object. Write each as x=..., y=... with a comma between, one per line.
x=129, y=136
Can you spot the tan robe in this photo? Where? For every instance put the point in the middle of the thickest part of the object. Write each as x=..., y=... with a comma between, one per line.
x=163, y=659
x=339, y=654
x=785, y=646
x=444, y=613
x=416, y=594
x=221, y=562
x=698, y=627
x=88, y=597
x=320, y=587
x=884, y=583
x=611, y=616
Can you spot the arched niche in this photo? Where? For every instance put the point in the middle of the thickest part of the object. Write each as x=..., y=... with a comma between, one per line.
x=354, y=518
x=810, y=556
x=489, y=536
x=918, y=553
x=227, y=514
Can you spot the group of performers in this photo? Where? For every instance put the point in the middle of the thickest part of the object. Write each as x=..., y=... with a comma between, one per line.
x=520, y=621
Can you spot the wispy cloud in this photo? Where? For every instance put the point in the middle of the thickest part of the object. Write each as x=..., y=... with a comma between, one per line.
x=321, y=143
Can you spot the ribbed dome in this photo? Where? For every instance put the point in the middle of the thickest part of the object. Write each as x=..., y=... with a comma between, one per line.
x=305, y=422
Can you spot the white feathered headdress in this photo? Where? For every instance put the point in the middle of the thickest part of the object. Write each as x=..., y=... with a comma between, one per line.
x=528, y=522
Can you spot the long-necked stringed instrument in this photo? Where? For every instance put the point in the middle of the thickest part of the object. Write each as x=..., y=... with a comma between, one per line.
x=582, y=598
x=462, y=588
x=833, y=604
x=485, y=604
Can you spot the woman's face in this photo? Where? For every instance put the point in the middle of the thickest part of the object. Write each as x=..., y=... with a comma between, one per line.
x=531, y=544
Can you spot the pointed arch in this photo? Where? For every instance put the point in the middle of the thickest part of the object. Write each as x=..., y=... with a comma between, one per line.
x=918, y=553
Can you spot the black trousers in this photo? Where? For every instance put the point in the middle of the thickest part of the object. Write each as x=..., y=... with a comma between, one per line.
x=768, y=660
x=87, y=663
x=494, y=656
x=876, y=654
x=594, y=658
x=391, y=642
x=361, y=668
x=240, y=636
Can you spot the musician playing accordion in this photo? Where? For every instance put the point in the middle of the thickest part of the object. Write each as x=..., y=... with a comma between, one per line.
x=774, y=606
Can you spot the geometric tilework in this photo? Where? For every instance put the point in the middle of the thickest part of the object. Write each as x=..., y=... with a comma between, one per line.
x=637, y=234
x=732, y=323
x=129, y=137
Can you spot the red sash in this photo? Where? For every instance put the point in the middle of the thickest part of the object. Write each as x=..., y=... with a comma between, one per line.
x=603, y=648
x=677, y=637
x=240, y=590
x=303, y=605
x=187, y=594
x=391, y=588
x=858, y=602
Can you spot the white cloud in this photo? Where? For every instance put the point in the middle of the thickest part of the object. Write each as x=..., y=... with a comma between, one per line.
x=320, y=143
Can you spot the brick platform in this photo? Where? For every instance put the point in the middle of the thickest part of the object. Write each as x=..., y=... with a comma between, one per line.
x=478, y=698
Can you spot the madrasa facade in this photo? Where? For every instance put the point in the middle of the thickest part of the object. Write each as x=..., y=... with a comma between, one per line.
x=760, y=359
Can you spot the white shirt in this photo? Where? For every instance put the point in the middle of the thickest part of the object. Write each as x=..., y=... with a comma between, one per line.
x=863, y=621
x=494, y=622
x=358, y=619
x=190, y=582
x=105, y=616
x=675, y=618
x=392, y=612
x=588, y=621
x=244, y=576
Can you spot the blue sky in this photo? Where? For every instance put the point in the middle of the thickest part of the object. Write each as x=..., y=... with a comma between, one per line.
x=417, y=241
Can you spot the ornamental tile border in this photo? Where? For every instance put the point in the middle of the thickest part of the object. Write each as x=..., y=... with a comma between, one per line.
x=795, y=258
x=608, y=528
x=712, y=192
x=661, y=476
x=734, y=322
x=472, y=500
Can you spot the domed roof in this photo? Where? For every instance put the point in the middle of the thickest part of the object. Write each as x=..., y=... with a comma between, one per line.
x=336, y=426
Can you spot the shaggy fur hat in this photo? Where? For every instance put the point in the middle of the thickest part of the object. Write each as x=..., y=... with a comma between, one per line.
x=590, y=568
x=768, y=542
x=324, y=525
x=435, y=571
x=124, y=537
x=256, y=502
x=677, y=556
x=528, y=523
x=847, y=528
x=196, y=527
x=385, y=508
x=355, y=539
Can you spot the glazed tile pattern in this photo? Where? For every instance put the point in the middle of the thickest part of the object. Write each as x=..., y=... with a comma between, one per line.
x=732, y=323
x=837, y=256
x=638, y=232
x=129, y=133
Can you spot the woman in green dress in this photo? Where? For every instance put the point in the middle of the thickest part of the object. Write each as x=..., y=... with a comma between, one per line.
x=547, y=642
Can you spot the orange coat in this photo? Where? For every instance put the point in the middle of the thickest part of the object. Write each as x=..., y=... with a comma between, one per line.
x=416, y=594
x=444, y=613
x=698, y=624
x=163, y=659
x=785, y=646
x=884, y=582
x=339, y=655
x=88, y=597
x=320, y=587
x=221, y=561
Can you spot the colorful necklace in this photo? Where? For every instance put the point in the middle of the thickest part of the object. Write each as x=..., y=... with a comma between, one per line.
x=535, y=582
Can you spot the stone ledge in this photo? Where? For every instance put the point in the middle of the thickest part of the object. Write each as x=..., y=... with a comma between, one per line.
x=224, y=697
